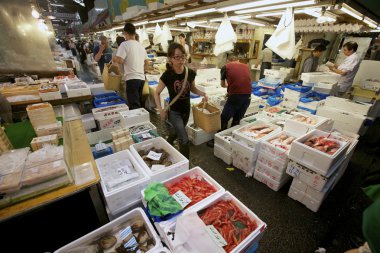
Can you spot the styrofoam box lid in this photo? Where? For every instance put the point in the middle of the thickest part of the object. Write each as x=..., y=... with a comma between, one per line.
x=158, y=142
x=101, y=164
x=101, y=135
x=192, y=173
x=228, y=131
x=119, y=107
x=258, y=122
x=151, y=126
x=227, y=196
x=134, y=113
x=113, y=227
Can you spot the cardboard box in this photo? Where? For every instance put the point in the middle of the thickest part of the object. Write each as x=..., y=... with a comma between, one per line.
x=38, y=142
x=50, y=129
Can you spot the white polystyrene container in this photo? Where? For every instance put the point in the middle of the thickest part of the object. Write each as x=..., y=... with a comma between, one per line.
x=134, y=117
x=112, y=227
x=278, y=154
x=126, y=193
x=197, y=135
x=276, y=175
x=142, y=128
x=299, y=128
x=223, y=154
x=108, y=110
x=314, y=159
x=268, y=181
x=222, y=141
x=243, y=157
x=179, y=162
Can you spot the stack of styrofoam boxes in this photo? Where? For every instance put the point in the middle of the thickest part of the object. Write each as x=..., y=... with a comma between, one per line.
x=292, y=95
x=312, y=78
x=326, y=88
x=121, y=139
x=296, y=124
x=41, y=114
x=222, y=144
x=88, y=121
x=319, y=162
x=197, y=136
x=77, y=89
x=115, y=228
x=259, y=116
x=109, y=117
x=289, y=72
x=347, y=115
x=5, y=144
x=196, y=172
x=208, y=81
x=245, y=149
x=272, y=162
x=49, y=92
x=179, y=162
x=122, y=179
x=274, y=77
x=134, y=117
x=142, y=128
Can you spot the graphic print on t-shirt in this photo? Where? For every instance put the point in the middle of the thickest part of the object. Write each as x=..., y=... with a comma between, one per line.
x=178, y=86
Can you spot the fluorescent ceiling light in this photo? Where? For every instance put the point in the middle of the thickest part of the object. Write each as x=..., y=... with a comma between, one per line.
x=370, y=22
x=194, y=13
x=161, y=20
x=232, y=17
x=353, y=13
x=375, y=31
x=208, y=26
x=79, y=2
x=58, y=5
x=140, y=23
x=118, y=27
x=35, y=13
x=250, y=5
x=277, y=13
x=51, y=17
x=276, y=7
x=180, y=29
x=249, y=22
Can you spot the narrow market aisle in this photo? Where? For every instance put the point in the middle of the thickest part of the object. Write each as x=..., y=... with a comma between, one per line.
x=291, y=226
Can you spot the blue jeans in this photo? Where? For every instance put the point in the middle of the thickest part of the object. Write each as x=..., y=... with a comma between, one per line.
x=134, y=88
x=178, y=122
x=235, y=107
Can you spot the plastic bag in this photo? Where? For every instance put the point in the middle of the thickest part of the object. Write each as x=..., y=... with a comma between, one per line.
x=160, y=202
x=157, y=36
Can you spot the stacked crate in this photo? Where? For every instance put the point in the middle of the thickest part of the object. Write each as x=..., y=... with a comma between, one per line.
x=222, y=144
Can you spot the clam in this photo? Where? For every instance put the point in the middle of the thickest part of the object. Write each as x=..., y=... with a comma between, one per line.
x=107, y=241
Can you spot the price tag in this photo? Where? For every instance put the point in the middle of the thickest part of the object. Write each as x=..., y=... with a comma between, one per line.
x=216, y=236
x=181, y=198
x=154, y=156
x=293, y=170
x=146, y=135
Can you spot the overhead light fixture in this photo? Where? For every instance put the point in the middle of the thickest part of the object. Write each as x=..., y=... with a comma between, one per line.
x=353, y=13
x=194, y=13
x=118, y=27
x=58, y=5
x=370, y=22
x=51, y=17
x=249, y=22
x=161, y=20
x=80, y=2
x=375, y=31
x=231, y=17
x=250, y=5
x=179, y=29
x=140, y=23
x=35, y=13
x=276, y=7
x=324, y=18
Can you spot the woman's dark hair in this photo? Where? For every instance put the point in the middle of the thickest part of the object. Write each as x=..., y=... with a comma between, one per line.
x=351, y=45
x=130, y=29
x=182, y=35
x=119, y=40
x=320, y=48
x=171, y=52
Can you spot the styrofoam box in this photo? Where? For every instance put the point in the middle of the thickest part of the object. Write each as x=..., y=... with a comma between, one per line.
x=303, y=187
x=313, y=158
x=276, y=175
x=128, y=207
x=348, y=105
x=271, y=162
x=223, y=154
x=72, y=92
x=195, y=172
x=370, y=85
x=197, y=135
x=134, y=117
x=88, y=121
x=136, y=131
x=313, y=105
x=293, y=94
x=127, y=193
x=250, y=142
x=291, y=104
x=299, y=128
x=275, y=73
x=221, y=141
x=305, y=199
x=108, y=110
x=254, y=236
x=254, y=118
x=103, y=135
x=243, y=157
x=46, y=96
x=180, y=163
x=272, y=184
x=135, y=214
x=316, y=77
x=343, y=120
x=277, y=154
x=109, y=121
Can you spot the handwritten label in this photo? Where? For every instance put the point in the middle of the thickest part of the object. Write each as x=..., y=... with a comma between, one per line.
x=216, y=236
x=181, y=198
x=146, y=136
x=154, y=156
x=293, y=170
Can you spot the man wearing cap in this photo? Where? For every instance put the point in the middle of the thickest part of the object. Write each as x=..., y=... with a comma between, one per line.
x=135, y=60
x=102, y=53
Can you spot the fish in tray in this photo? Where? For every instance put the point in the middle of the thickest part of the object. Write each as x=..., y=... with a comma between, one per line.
x=323, y=143
x=305, y=119
x=258, y=131
x=282, y=141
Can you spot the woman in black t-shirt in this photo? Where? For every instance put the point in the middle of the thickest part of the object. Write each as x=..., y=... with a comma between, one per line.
x=173, y=79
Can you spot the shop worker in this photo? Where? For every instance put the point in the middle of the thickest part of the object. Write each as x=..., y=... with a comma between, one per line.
x=135, y=60
x=179, y=92
x=265, y=58
x=182, y=41
x=311, y=63
x=102, y=53
x=348, y=68
x=235, y=76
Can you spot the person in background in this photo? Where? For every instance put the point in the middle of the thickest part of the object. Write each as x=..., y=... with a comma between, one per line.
x=102, y=53
x=91, y=46
x=348, y=68
x=235, y=76
x=173, y=79
x=120, y=40
x=135, y=60
x=265, y=58
x=311, y=63
x=73, y=49
x=182, y=41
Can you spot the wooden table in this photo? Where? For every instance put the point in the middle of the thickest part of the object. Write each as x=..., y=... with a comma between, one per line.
x=76, y=151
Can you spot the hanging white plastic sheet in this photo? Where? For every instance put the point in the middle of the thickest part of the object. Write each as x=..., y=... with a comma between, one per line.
x=225, y=37
x=144, y=38
x=282, y=41
x=166, y=31
x=157, y=36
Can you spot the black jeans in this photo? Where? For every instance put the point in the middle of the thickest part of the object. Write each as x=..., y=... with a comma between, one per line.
x=264, y=66
x=134, y=88
x=235, y=107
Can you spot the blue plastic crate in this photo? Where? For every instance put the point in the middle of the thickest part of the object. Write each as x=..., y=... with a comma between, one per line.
x=152, y=82
x=297, y=87
x=105, y=95
x=108, y=101
x=274, y=100
x=101, y=153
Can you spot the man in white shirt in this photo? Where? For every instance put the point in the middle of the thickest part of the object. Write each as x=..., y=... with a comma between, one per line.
x=134, y=59
x=348, y=68
x=265, y=58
